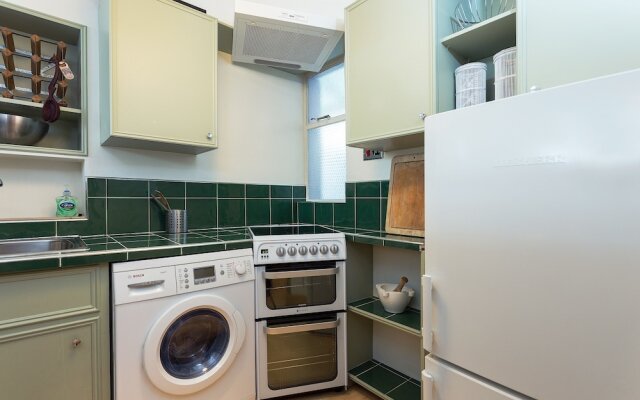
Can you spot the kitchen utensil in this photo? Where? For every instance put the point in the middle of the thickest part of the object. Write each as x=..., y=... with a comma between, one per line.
x=471, y=84
x=36, y=47
x=470, y=12
x=505, y=67
x=161, y=200
x=22, y=131
x=403, y=281
x=176, y=221
x=405, y=207
x=394, y=302
x=51, y=108
x=7, y=36
x=7, y=58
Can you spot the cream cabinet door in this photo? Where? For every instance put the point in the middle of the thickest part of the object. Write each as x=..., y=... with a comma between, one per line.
x=567, y=41
x=163, y=72
x=388, y=66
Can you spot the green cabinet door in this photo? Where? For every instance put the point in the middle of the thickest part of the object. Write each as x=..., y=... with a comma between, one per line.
x=54, y=335
x=572, y=40
x=53, y=363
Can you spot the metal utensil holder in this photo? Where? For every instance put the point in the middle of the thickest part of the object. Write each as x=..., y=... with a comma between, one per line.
x=177, y=221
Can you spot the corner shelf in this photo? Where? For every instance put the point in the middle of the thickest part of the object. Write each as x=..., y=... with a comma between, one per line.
x=16, y=106
x=385, y=382
x=371, y=307
x=485, y=38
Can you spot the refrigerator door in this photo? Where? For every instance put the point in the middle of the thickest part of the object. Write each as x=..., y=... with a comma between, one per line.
x=444, y=382
x=533, y=239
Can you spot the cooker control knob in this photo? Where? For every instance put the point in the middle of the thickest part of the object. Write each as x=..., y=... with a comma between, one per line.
x=313, y=250
x=302, y=250
x=292, y=251
x=324, y=249
x=240, y=268
x=334, y=248
x=280, y=251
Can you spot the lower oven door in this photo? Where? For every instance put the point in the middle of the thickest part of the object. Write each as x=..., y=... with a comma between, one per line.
x=301, y=354
x=300, y=288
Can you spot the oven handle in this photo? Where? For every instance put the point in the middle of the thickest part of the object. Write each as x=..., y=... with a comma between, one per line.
x=301, y=274
x=302, y=328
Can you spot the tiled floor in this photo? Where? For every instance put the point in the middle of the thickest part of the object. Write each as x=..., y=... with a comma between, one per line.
x=355, y=392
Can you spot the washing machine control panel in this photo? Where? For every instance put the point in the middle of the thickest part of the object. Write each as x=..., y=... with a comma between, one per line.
x=210, y=274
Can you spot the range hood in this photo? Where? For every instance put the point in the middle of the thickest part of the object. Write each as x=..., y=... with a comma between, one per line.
x=282, y=38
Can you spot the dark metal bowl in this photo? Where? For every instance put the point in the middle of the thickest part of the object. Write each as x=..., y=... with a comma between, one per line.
x=22, y=131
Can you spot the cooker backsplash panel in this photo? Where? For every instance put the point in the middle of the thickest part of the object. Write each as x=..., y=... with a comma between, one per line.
x=125, y=206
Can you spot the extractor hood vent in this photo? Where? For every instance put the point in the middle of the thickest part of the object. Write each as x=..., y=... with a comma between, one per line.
x=281, y=38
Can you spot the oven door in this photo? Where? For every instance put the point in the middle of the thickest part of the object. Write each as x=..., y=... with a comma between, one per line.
x=301, y=354
x=300, y=288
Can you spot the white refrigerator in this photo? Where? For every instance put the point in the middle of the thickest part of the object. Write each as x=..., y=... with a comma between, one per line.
x=532, y=285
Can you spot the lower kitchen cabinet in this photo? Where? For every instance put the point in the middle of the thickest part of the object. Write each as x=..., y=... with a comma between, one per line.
x=54, y=335
x=384, y=350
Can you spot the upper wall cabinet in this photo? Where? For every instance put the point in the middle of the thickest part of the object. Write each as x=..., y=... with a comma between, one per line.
x=29, y=42
x=388, y=64
x=158, y=76
x=572, y=40
x=558, y=42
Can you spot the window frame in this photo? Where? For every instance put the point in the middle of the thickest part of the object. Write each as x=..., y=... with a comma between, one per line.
x=309, y=125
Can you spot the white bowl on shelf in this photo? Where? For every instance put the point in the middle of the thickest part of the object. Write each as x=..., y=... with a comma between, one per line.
x=394, y=302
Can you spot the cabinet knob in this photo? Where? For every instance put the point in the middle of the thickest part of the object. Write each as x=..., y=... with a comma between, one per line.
x=76, y=342
x=210, y=136
x=422, y=116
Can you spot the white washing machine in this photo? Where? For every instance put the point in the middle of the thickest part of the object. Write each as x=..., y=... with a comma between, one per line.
x=183, y=327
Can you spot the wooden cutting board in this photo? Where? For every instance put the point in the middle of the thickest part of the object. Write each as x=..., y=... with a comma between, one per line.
x=405, y=207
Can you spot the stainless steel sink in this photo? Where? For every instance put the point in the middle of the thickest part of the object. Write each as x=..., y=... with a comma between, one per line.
x=39, y=246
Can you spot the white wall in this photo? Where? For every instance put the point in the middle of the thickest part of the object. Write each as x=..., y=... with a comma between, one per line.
x=372, y=170
x=260, y=128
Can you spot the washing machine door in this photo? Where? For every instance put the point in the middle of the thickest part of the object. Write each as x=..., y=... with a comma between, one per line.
x=193, y=344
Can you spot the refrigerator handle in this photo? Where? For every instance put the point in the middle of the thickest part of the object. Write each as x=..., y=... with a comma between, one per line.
x=427, y=332
x=427, y=385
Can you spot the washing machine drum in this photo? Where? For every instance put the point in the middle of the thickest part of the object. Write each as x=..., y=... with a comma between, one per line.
x=193, y=344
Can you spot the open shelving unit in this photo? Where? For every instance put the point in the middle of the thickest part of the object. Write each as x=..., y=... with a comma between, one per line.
x=371, y=307
x=35, y=38
x=385, y=381
x=477, y=43
x=484, y=39
x=384, y=349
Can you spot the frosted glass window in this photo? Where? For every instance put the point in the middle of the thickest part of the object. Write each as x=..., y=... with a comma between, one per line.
x=327, y=162
x=326, y=93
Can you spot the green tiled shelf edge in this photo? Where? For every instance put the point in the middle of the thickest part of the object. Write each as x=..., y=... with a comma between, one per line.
x=381, y=238
x=385, y=382
x=371, y=307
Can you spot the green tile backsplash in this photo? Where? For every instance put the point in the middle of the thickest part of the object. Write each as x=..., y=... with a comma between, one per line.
x=365, y=207
x=116, y=206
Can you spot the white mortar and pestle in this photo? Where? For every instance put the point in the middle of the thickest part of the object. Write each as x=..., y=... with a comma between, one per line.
x=395, y=298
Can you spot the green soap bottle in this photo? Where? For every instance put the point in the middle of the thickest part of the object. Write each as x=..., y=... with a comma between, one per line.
x=66, y=205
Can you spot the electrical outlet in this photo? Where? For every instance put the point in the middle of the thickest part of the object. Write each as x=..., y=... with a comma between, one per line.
x=369, y=154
